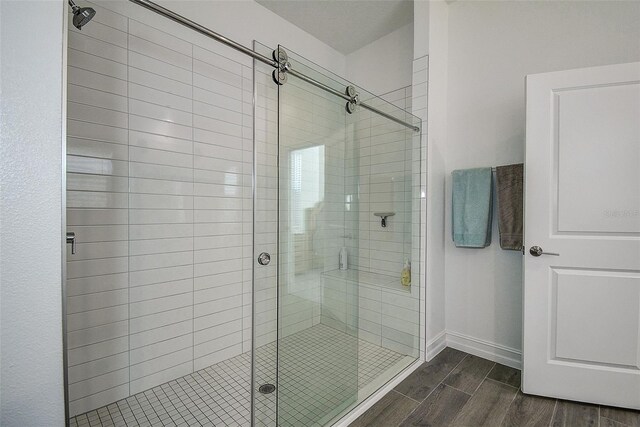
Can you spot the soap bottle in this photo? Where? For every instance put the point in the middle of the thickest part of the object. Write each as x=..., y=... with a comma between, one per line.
x=343, y=262
x=405, y=276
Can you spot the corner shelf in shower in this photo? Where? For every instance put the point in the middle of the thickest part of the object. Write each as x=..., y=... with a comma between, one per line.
x=368, y=278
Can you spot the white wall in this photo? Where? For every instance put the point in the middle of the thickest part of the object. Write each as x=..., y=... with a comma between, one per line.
x=492, y=46
x=31, y=56
x=421, y=11
x=434, y=41
x=383, y=65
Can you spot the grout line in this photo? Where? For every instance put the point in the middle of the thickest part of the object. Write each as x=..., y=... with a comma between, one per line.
x=217, y=54
x=128, y=222
x=485, y=378
x=100, y=74
x=441, y=383
x=509, y=407
x=193, y=232
x=501, y=383
x=457, y=389
x=408, y=397
x=453, y=369
x=553, y=415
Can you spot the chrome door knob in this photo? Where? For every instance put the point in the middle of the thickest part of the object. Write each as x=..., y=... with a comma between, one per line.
x=264, y=258
x=537, y=251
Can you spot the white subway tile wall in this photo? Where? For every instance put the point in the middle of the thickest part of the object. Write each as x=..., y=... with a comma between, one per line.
x=97, y=211
x=386, y=169
x=385, y=186
x=159, y=195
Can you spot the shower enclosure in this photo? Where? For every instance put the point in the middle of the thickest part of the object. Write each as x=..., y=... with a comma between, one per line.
x=241, y=241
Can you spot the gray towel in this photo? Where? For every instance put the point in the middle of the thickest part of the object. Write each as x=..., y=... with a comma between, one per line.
x=509, y=184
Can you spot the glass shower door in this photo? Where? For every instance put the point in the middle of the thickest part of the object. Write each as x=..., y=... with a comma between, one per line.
x=317, y=212
x=265, y=245
x=336, y=301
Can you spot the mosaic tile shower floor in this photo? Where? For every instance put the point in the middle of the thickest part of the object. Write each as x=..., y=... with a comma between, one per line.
x=219, y=395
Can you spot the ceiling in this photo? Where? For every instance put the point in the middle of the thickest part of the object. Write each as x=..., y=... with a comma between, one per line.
x=345, y=25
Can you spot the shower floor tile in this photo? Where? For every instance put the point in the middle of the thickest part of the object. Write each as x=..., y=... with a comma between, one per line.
x=317, y=373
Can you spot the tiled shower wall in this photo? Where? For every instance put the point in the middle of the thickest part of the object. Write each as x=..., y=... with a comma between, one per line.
x=385, y=157
x=159, y=196
x=387, y=169
x=419, y=108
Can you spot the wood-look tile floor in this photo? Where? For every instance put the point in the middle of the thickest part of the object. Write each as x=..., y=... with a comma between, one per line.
x=458, y=389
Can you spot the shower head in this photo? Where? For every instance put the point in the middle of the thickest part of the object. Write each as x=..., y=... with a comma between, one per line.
x=81, y=15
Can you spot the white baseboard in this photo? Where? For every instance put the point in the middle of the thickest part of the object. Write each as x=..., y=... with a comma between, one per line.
x=485, y=349
x=436, y=345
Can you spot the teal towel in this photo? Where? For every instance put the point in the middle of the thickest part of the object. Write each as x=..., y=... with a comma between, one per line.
x=472, y=207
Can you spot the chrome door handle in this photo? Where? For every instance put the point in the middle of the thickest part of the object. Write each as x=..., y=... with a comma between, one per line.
x=537, y=251
x=71, y=238
x=264, y=258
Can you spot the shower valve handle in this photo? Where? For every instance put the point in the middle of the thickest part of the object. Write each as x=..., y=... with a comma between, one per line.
x=71, y=238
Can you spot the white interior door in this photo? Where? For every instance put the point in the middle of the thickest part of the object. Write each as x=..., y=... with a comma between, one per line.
x=582, y=183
